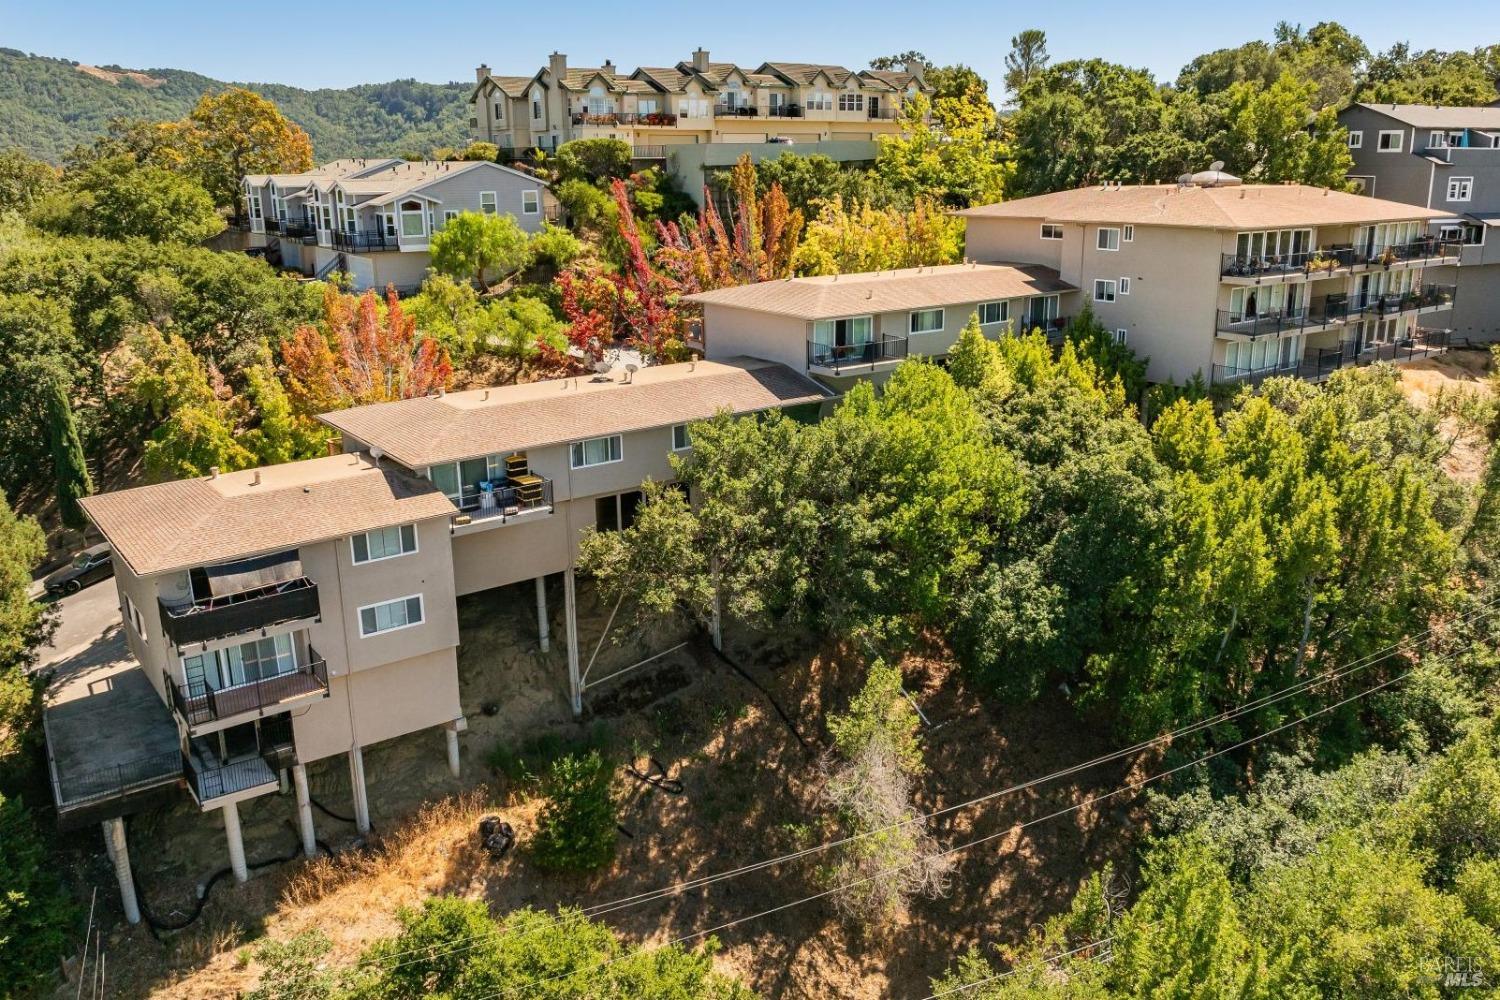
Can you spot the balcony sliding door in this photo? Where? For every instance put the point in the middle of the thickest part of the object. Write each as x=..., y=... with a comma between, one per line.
x=843, y=338
x=243, y=664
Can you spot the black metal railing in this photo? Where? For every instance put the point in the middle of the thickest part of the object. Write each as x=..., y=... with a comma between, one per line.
x=1426, y=297
x=1333, y=310
x=73, y=788
x=508, y=500
x=1324, y=361
x=210, y=778
x=296, y=228
x=1261, y=324
x=884, y=114
x=736, y=111
x=509, y=154
x=232, y=614
x=364, y=242
x=784, y=111
x=839, y=356
x=1052, y=326
x=198, y=704
x=1327, y=260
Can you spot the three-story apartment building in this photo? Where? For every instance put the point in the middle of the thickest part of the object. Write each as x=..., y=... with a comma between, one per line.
x=285, y=615
x=1446, y=159
x=375, y=219
x=692, y=102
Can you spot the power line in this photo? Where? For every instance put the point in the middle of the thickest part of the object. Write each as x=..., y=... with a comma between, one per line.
x=965, y=987
x=678, y=888
x=1014, y=828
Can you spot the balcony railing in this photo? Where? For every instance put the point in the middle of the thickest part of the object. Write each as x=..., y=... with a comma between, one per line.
x=838, y=357
x=1325, y=361
x=1333, y=310
x=648, y=152
x=884, y=114
x=296, y=228
x=210, y=778
x=784, y=111
x=1327, y=260
x=198, y=704
x=736, y=111
x=623, y=118
x=509, y=500
x=364, y=242
x=232, y=614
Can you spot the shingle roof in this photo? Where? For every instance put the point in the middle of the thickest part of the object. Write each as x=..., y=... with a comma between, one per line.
x=197, y=522
x=888, y=291
x=1434, y=116
x=669, y=78
x=1246, y=206
x=803, y=73
x=420, y=432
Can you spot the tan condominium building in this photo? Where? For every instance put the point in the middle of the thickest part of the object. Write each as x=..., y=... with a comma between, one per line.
x=374, y=219
x=287, y=615
x=1211, y=277
x=690, y=102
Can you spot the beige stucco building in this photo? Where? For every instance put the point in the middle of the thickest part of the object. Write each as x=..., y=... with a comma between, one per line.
x=284, y=615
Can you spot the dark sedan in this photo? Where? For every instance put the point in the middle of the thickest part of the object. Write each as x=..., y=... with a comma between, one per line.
x=89, y=566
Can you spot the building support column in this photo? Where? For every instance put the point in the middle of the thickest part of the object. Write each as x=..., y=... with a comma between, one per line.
x=236, y=840
x=541, y=613
x=451, y=730
x=357, y=783
x=304, y=811
x=119, y=854
x=570, y=613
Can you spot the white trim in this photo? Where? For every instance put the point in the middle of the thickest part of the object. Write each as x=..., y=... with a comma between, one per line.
x=1400, y=145
x=1004, y=305
x=685, y=436
x=494, y=205
x=1356, y=138
x=536, y=204
x=1124, y=286
x=1468, y=188
x=1054, y=226
x=1121, y=335
x=357, y=561
x=1128, y=234
x=359, y=615
x=136, y=619
x=574, y=464
x=1099, y=239
x=911, y=320
x=1110, y=291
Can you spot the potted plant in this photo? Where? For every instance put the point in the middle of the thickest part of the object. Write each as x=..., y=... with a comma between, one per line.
x=1387, y=256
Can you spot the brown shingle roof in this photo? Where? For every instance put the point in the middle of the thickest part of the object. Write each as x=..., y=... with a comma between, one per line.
x=420, y=432
x=803, y=73
x=197, y=522
x=1244, y=206
x=888, y=291
x=669, y=78
x=1432, y=116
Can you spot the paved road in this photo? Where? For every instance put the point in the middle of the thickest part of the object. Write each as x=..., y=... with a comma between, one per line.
x=87, y=617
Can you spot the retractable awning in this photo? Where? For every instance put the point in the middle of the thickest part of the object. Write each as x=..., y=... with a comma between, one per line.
x=252, y=574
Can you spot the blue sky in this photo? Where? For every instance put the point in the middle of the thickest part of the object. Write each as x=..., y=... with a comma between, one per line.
x=376, y=40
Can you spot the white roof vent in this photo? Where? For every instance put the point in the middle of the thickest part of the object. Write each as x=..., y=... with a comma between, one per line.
x=1214, y=176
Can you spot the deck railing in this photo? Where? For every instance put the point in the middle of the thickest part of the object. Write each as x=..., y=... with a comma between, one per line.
x=1327, y=260
x=836, y=357
x=198, y=704
x=232, y=614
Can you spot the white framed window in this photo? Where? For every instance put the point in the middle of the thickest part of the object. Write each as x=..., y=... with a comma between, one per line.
x=596, y=451
x=413, y=220
x=1460, y=188
x=487, y=202
x=1104, y=290
x=991, y=313
x=1051, y=231
x=531, y=202
x=1109, y=238
x=1121, y=334
x=1124, y=286
x=390, y=616
x=926, y=321
x=385, y=543
x=449, y=215
x=820, y=101
x=1390, y=140
x=681, y=439
x=851, y=102
x=1356, y=139
x=1129, y=236
x=137, y=620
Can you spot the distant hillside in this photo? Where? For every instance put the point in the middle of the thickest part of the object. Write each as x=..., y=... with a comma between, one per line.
x=47, y=106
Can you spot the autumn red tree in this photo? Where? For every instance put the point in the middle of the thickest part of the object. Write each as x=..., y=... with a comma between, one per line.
x=703, y=254
x=362, y=353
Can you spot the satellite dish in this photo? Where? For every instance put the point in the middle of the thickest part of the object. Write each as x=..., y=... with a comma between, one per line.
x=601, y=366
x=1216, y=165
x=1185, y=179
x=632, y=369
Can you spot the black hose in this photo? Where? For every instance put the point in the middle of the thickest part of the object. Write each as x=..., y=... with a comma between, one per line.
x=807, y=747
x=330, y=813
x=656, y=777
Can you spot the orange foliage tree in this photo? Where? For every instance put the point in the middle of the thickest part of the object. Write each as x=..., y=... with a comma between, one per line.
x=362, y=353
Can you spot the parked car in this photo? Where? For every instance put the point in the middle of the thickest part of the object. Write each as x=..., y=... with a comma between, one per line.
x=89, y=566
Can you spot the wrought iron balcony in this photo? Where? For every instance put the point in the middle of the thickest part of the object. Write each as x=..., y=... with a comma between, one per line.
x=296, y=228
x=234, y=614
x=784, y=111
x=1328, y=260
x=1323, y=362
x=836, y=357
x=210, y=778
x=736, y=111
x=197, y=704
x=364, y=242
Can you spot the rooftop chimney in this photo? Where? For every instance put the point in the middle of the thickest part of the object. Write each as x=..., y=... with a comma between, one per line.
x=481, y=73
x=608, y=67
x=700, y=60
x=557, y=65
x=916, y=69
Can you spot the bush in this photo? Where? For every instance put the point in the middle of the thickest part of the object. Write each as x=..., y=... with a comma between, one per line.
x=576, y=830
x=593, y=160
x=35, y=913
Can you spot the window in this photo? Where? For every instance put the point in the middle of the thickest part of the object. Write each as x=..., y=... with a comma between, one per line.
x=1120, y=335
x=136, y=618
x=1356, y=139
x=820, y=102
x=387, y=543
x=1390, y=141
x=1129, y=234
x=927, y=321
x=1460, y=188
x=851, y=102
x=1104, y=290
x=681, y=440
x=596, y=451
x=473, y=123
x=389, y=616
x=1124, y=286
x=1051, y=231
x=530, y=202
x=852, y=331
x=645, y=107
x=615, y=513
x=499, y=111
x=991, y=313
x=449, y=215
x=413, y=220
x=536, y=104
x=1109, y=238
x=487, y=202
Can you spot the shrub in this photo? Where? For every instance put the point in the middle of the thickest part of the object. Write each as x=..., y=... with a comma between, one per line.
x=35, y=913
x=576, y=830
x=879, y=714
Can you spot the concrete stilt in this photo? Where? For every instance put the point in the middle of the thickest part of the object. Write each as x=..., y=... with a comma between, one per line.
x=452, y=733
x=114, y=843
x=304, y=811
x=570, y=612
x=541, y=613
x=236, y=842
x=357, y=780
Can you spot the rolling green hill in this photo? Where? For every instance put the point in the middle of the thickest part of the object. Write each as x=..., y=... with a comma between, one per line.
x=47, y=106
